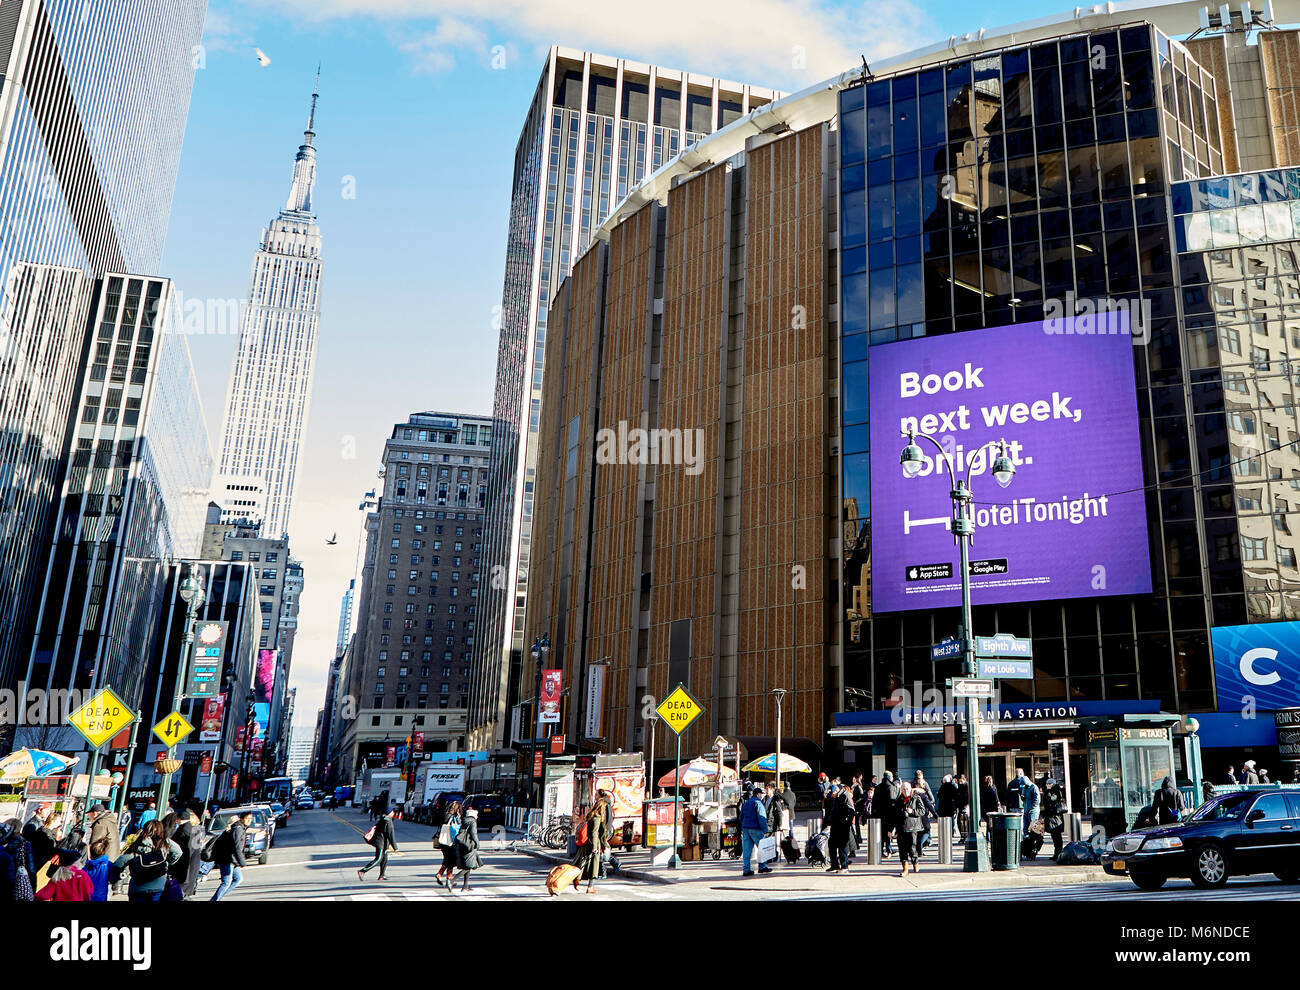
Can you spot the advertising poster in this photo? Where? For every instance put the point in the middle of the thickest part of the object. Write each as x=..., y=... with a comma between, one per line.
x=1257, y=665
x=1072, y=523
x=595, y=701
x=264, y=680
x=210, y=725
x=549, y=709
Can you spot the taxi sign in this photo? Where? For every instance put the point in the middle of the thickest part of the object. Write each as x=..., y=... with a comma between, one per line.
x=172, y=729
x=101, y=718
x=679, y=710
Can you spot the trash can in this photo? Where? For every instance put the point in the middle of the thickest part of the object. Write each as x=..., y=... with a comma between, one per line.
x=1004, y=853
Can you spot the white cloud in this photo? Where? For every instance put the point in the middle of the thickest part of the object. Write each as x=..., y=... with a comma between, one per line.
x=781, y=43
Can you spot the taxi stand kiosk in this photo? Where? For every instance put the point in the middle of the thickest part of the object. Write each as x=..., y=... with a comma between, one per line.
x=1128, y=759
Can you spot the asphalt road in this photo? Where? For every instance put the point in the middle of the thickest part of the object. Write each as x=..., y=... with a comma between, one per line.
x=317, y=856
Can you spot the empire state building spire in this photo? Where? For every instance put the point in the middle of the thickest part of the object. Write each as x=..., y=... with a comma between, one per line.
x=304, y=163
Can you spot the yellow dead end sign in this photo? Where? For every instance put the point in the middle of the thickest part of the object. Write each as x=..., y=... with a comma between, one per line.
x=101, y=718
x=172, y=729
x=679, y=710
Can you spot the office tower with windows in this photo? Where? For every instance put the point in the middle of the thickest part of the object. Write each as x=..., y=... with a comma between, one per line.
x=596, y=129
x=89, y=148
x=418, y=608
x=270, y=386
x=131, y=495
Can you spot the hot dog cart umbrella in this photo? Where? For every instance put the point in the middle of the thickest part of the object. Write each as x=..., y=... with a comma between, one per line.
x=696, y=772
x=767, y=764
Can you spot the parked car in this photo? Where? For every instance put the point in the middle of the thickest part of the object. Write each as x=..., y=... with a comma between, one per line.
x=257, y=839
x=271, y=822
x=305, y=800
x=440, y=805
x=491, y=810
x=1231, y=835
x=281, y=814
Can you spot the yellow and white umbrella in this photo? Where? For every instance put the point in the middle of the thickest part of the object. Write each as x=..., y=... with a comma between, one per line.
x=24, y=763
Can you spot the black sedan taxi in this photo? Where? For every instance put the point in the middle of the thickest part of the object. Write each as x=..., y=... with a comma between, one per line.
x=1230, y=835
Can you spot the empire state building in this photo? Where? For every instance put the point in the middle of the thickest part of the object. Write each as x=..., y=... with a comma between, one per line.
x=270, y=388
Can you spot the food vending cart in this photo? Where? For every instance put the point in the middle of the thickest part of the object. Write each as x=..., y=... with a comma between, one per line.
x=623, y=776
x=717, y=817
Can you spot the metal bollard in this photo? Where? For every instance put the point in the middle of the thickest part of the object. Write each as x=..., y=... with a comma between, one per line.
x=1073, y=827
x=945, y=841
x=873, y=838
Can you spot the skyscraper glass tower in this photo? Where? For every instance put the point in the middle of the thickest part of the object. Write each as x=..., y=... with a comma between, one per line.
x=270, y=387
x=92, y=114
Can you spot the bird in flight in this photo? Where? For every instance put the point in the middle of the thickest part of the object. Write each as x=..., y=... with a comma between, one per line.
x=262, y=58
x=334, y=538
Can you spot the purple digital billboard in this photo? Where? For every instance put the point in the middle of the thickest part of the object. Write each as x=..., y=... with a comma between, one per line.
x=1072, y=523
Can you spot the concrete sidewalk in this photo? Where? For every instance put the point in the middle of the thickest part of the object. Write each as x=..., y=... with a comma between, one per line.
x=860, y=877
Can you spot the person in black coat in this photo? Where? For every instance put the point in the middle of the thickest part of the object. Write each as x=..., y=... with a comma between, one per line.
x=963, y=804
x=1053, y=811
x=1167, y=803
x=383, y=840
x=990, y=800
x=885, y=806
x=841, y=823
x=946, y=800
x=228, y=854
x=189, y=835
x=40, y=837
x=468, y=859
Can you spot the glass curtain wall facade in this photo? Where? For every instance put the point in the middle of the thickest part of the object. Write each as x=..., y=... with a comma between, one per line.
x=596, y=128
x=85, y=189
x=1238, y=240
x=138, y=471
x=972, y=193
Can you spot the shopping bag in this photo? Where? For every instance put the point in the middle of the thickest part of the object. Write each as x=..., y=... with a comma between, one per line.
x=767, y=850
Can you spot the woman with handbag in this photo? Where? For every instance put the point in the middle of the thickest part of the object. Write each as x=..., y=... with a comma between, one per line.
x=445, y=840
x=592, y=839
x=467, y=857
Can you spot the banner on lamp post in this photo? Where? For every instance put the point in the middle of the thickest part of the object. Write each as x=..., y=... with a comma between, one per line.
x=548, y=707
x=595, y=701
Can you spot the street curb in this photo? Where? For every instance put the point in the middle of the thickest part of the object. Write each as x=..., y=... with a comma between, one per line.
x=958, y=881
x=641, y=875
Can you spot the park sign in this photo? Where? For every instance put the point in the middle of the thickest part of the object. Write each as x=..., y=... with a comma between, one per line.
x=679, y=710
x=101, y=718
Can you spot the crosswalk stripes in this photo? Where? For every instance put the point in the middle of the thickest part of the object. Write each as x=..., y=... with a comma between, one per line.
x=507, y=890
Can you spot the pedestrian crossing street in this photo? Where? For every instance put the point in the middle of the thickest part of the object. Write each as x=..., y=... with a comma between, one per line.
x=1082, y=892
x=499, y=891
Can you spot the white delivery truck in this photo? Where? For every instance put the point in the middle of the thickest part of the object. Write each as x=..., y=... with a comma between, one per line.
x=375, y=782
x=432, y=779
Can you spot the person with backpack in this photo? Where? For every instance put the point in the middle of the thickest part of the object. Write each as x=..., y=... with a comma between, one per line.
x=68, y=882
x=99, y=868
x=148, y=861
x=445, y=840
x=380, y=836
x=227, y=852
x=1167, y=803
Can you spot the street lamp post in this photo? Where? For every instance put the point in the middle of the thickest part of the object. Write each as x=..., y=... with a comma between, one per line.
x=541, y=647
x=963, y=531
x=653, y=721
x=779, y=695
x=192, y=593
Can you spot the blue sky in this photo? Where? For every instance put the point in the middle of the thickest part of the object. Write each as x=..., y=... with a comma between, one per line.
x=414, y=116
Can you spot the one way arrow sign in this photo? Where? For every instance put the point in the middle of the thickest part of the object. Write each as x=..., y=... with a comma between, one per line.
x=172, y=729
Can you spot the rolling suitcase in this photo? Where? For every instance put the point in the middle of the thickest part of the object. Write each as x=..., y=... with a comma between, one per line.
x=561, y=877
x=790, y=849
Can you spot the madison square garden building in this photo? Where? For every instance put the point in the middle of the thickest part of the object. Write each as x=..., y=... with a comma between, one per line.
x=1044, y=235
